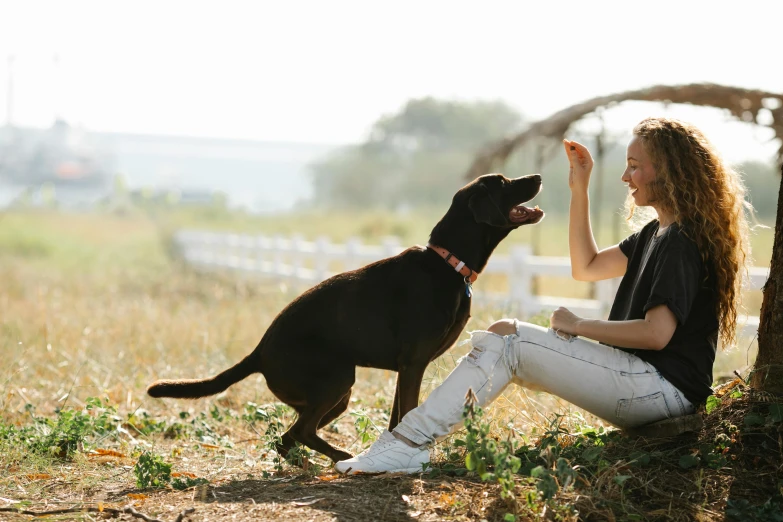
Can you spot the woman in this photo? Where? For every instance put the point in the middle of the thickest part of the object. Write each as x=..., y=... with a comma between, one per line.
x=654, y=356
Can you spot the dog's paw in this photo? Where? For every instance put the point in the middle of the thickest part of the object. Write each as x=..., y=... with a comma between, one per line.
x=340, y=455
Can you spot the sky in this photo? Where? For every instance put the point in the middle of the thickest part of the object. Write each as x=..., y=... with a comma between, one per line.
x=324, y=71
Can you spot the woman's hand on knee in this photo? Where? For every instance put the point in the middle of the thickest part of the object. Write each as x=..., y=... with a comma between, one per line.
x=565, y=321
x=503, y=327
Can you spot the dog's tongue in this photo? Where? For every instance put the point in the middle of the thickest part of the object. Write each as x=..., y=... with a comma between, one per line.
x=521, y=213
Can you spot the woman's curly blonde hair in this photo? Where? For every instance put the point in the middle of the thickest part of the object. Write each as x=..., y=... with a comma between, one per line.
x=707, y=196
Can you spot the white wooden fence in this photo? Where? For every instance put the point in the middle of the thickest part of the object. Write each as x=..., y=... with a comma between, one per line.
x=293, y=258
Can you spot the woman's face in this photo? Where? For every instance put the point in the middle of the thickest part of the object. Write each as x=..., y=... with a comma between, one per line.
x=639, y=173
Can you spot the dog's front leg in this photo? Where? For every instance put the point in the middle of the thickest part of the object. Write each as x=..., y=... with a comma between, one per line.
x=406, y=395
x=394, y=418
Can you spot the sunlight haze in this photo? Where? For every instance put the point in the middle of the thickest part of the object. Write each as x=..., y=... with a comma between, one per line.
x=323, y=72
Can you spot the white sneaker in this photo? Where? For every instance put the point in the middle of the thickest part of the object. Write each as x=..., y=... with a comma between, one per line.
x=388, y=454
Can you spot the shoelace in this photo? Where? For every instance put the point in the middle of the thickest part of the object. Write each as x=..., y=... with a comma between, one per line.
x=380, y=444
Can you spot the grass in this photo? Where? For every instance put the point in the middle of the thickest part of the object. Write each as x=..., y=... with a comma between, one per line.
x=92, y=310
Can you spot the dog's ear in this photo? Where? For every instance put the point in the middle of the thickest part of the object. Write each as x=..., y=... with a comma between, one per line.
x=485, y=209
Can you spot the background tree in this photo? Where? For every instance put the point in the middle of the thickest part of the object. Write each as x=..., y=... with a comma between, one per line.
x=768, y=369
x=413, y=157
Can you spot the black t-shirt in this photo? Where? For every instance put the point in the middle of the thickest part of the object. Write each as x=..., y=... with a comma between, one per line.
x=669, y=270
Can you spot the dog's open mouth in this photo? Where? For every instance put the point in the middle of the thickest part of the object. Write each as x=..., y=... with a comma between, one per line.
x=525, y=215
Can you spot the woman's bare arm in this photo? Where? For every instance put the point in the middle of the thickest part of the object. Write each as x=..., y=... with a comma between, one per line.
x=587, y=263
x=651, y=333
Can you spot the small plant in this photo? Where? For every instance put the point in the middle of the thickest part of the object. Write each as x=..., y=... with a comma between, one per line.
x=103, y=414
x=142, y=423
x=712, y=403
x=492, y=460
x=365, y=428
x=254, y=413
x=742, y=510
x=221, y=416
x=775, y=414
x=151, y=471
x=187, y=482
x=547, y=462
x=272, y=437
x=297, y=455
x=7, y=431
x=717, y=454
x=203, y=431
x=300, y=457
x=455, y=457
x=63, y=436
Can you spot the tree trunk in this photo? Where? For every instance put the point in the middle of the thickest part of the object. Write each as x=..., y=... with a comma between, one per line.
x=768, y=371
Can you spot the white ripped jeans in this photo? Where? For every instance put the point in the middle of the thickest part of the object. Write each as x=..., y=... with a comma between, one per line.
x=609, y=383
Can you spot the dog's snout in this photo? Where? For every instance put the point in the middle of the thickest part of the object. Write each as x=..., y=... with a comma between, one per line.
x=536, y=178
x=526, y=187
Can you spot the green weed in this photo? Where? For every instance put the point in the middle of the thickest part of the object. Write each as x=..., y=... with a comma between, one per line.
x=62, y=436
x=744, y=511
x=187, y=482
x=492, y=460
x=365, y=427
x=151, y=471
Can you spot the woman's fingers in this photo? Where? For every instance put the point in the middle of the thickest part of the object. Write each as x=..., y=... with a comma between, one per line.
x=580, y=164
x=563, y=320
x=582, y=152
x=570, y=149
x=578, y=154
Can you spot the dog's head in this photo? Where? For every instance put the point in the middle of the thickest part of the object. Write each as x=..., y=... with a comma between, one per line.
x=496, y=200
x=483, y=213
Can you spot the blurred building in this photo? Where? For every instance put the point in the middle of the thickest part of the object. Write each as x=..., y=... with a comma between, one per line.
x=60, y=155
x=259, y=176
x=81, y=167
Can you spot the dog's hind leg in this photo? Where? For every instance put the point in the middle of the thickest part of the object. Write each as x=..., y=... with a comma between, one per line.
x=287, y=441
x=328, y=400
x=336, y=411
x=284, y=446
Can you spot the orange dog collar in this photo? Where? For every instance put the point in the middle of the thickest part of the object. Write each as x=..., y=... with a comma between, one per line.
x=456, y=264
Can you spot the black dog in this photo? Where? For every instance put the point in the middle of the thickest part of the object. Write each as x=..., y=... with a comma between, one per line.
x=398, y=314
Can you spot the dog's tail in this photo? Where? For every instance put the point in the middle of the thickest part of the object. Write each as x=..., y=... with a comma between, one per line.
x=195, y=388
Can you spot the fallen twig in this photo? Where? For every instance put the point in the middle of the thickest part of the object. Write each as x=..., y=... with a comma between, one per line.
x=184, y=513
x=92, y=509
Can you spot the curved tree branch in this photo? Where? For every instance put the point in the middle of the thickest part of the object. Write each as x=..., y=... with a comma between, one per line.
x=744, y=104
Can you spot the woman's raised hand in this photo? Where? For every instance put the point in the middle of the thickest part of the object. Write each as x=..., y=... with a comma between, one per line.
x=580, y=165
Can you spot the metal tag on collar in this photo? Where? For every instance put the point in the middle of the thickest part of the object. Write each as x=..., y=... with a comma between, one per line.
x=468, y=287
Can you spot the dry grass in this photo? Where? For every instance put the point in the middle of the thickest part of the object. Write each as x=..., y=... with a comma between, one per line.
x=90, y=306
